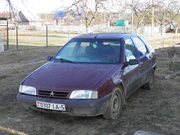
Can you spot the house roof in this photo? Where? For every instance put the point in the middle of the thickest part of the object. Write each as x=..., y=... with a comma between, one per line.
x=3, y=18
x=62, y=14
x=26, y=16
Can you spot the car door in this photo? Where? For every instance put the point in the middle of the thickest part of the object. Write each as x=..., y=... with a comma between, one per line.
x=144, y=59
x=131, y=72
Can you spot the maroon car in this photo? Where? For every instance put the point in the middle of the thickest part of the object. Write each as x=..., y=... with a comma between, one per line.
x=91, y=75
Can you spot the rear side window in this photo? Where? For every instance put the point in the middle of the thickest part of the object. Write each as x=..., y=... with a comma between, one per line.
x=130, y=51
x=140, y=46
x=147, y=44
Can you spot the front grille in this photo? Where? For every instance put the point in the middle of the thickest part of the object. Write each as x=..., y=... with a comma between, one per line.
x=53, y=94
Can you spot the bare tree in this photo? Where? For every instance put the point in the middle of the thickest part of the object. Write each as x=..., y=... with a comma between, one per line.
x=140, y=10
x=12, y=10
x=88, y=12
x=11, y=7
x=167, y=12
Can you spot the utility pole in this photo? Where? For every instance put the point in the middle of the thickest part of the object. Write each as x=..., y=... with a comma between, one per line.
x=132, y=19
x=152, y=27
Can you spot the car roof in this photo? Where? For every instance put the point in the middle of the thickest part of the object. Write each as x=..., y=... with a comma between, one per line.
x=104, y=36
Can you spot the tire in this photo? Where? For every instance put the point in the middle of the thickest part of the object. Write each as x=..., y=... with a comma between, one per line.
x=150, y=84
x=115, y=105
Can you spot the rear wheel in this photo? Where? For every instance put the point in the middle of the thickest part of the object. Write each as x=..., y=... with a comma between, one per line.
x=150, y=84
x=115, y=105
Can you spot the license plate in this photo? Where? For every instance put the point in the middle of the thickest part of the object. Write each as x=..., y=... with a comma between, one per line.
x=50, y=106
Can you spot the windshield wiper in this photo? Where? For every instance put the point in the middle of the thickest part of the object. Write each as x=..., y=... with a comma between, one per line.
x=65, y=60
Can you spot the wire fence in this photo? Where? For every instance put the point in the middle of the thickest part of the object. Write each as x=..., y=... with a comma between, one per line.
x=26, y=36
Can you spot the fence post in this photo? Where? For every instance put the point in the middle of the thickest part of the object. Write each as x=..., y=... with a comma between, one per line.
x=7, y=36
x=46, y=36
x=17, y=37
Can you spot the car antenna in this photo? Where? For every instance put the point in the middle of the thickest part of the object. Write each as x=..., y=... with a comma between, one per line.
x=96, y=36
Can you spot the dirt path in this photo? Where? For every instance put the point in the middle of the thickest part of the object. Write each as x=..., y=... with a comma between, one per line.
x=157, y=110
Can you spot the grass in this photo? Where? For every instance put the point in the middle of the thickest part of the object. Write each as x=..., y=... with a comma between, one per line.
x=156, y=110
x=30, y=39
x=174, y=66
x=39, y=40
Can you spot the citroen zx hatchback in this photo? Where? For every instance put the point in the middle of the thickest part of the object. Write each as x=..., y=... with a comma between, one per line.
x=91, y=75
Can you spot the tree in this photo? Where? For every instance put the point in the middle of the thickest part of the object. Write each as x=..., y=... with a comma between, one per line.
x=12, y=9
x=167, y=12
x=86, y=12
x=139, y=9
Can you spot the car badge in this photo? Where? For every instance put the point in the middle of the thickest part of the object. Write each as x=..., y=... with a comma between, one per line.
x=52, y=94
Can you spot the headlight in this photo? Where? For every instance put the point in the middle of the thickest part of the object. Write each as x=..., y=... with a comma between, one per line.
x=27, y=90
x=84, y=94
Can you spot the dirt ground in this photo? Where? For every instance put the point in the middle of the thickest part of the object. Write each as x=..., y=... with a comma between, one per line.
x=157, y=110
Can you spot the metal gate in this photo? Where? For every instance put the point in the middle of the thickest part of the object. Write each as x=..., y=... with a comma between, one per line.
x=4, y=30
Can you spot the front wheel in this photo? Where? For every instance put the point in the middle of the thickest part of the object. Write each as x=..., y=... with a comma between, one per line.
x=115, y=105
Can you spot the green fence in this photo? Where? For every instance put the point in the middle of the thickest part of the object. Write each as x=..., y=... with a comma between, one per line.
x=25, y=37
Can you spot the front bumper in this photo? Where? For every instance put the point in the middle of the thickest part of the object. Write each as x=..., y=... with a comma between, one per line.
x=73, y=107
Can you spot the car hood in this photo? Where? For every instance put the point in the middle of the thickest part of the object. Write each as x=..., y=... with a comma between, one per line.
x=68, y=76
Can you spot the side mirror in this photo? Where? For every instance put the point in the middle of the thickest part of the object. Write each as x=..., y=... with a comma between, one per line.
x=132, y=62
x=48, y=58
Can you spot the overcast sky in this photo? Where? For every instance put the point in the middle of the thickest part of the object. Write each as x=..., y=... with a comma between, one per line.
x=37, y=6
x=43, y=6
x=46, y=6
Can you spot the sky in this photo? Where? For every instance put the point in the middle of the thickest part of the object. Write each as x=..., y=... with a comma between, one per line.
x=47, y=6
x=43, y=6
x=36, y=6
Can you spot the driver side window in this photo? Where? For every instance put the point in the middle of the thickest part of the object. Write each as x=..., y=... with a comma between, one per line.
x=130, y=50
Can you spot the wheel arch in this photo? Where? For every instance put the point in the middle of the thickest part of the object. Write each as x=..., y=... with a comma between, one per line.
x=123, y=91
x=154, y=66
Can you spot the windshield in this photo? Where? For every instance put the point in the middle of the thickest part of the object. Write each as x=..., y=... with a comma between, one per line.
x=90, y=51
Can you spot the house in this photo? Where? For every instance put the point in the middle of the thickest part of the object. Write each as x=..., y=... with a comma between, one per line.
x=69, y=16
x=28, y=18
